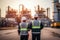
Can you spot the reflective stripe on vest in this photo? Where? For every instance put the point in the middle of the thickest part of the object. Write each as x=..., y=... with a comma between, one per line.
x=35, y=32
x=23, y=29
x=35, y=27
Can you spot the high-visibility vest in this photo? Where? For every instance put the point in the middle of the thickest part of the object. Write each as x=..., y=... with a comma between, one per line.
x=35, y=27
x=24, y=28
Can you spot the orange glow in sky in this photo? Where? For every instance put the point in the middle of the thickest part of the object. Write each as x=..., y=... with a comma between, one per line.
x=30, y=4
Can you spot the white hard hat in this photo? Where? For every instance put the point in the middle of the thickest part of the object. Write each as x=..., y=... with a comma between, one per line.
x=23, y=18
x=36, y=15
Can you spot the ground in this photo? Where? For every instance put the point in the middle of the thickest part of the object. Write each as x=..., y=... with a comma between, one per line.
x=47, y=33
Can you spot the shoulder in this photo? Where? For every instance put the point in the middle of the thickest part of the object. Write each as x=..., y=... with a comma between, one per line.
x=40, y=21
x=20, y=24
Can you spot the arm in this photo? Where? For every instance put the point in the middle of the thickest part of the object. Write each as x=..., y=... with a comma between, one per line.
x=29, y=26
x=41, y=25
x=18, y=29
x=18, y=26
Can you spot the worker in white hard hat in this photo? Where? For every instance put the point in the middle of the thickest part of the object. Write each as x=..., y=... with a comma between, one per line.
x=36, y=26
x=24, y=28
x=36, y=15
x=23, y=19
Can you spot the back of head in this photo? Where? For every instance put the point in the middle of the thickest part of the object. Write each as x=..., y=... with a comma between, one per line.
x=23, y=19
x=36, y=16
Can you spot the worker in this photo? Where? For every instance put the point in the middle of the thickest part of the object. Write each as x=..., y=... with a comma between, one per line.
x=36, y=26
x=24, y=28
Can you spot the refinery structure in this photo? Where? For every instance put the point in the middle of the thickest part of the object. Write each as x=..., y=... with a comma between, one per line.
x=56, y=8
x=11, y=14
x=56, y=13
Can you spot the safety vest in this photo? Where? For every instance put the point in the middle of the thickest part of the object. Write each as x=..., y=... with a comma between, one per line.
x=35, y=27
x=23, y=28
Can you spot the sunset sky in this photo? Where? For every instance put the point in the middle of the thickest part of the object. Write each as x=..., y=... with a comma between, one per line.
x=27, y=3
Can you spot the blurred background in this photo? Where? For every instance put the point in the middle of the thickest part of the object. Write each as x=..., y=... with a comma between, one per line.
x=11, y=12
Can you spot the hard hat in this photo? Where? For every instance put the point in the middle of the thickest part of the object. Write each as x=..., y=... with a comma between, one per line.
x=23, y=18
x=36, y=15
